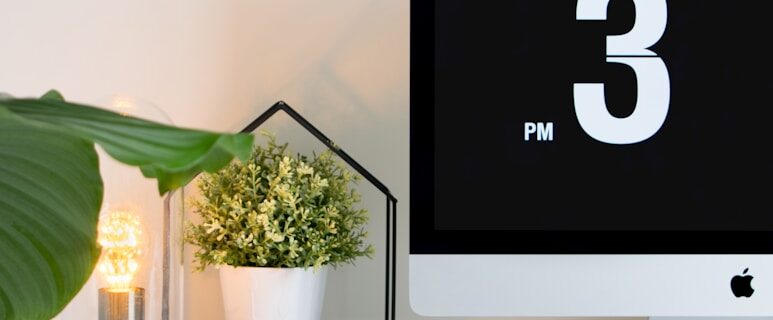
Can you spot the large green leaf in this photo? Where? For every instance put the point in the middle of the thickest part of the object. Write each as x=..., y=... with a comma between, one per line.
x=50, y=195
x=172, y=155
x=51, y=190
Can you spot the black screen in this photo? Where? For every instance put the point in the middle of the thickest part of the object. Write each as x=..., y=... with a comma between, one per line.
x=500, y=64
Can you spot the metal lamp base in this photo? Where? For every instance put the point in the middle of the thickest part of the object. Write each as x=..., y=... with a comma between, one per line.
x=122, y=305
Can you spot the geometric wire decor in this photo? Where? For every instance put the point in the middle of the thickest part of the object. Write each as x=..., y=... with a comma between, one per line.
x=391, y=213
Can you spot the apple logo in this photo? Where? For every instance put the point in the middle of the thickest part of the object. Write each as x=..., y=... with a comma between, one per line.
x=742, y=285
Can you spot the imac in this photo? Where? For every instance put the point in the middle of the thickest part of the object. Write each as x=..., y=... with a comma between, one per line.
x=591, y=158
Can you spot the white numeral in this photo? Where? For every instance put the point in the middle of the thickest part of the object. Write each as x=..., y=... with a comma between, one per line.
x=654, y=89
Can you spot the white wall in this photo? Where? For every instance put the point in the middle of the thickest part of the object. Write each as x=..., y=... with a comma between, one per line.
x=216, y=64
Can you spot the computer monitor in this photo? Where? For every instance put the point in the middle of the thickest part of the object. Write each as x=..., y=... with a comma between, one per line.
x=591, y=158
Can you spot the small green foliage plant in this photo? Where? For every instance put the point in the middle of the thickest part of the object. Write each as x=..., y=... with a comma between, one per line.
x=279, y=210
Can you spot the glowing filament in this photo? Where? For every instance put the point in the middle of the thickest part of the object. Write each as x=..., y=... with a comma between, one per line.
x=119, y=236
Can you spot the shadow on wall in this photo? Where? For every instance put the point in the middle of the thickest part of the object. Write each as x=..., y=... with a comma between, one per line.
x=348, y=61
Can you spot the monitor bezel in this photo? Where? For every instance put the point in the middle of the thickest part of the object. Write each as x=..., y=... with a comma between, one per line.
x=426, y=239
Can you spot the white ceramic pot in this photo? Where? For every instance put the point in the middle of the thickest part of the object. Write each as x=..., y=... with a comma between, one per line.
x=251, y=293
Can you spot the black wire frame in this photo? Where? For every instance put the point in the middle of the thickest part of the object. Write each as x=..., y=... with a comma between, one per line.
x=391, y=201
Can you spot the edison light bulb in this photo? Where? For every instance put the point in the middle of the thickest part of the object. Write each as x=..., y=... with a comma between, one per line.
x=121, y=236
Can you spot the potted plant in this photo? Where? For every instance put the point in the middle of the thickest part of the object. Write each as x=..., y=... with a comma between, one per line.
x=273, y=225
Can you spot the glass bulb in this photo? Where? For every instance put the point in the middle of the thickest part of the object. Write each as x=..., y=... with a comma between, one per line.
x=134, y=107
x=138, y=233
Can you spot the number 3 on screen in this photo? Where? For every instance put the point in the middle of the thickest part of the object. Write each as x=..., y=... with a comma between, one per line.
x=653, y=93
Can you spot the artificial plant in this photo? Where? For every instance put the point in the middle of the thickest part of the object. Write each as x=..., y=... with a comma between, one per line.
x=279, y=210
x=51, y=189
